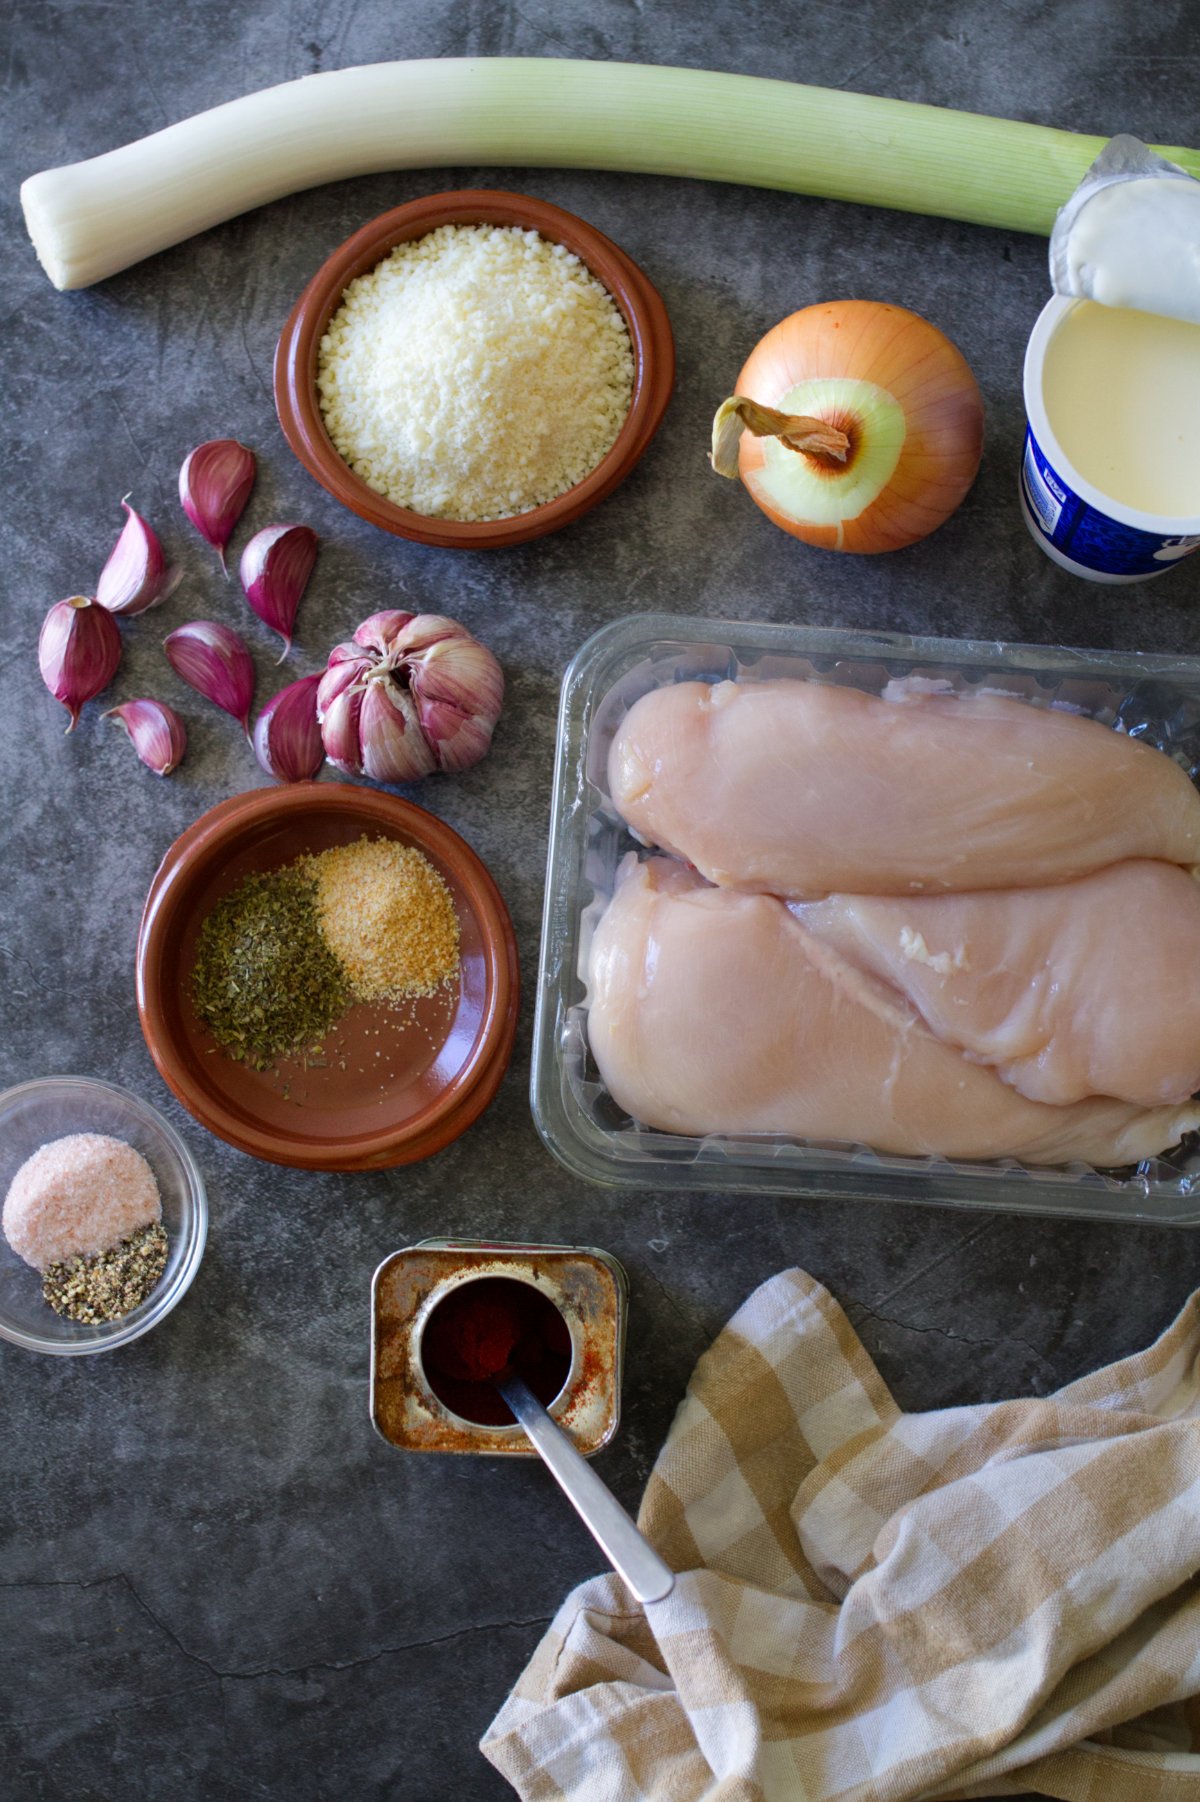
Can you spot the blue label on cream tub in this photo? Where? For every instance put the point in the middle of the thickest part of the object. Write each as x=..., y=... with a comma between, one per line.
x=1087, y=536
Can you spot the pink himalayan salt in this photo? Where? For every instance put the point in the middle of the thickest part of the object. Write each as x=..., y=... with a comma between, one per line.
x=81, y=1194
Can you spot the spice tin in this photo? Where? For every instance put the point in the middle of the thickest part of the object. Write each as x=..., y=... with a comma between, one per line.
x=586, y=1285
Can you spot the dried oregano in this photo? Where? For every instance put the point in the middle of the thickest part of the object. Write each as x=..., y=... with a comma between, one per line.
x=265, y=982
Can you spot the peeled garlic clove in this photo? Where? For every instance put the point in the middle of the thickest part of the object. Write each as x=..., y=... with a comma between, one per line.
x=214, y=486
x=275, y=568
x=78, y=652
x=287, y=738
x=137, y=575
x=214, y=661
x=158, y=734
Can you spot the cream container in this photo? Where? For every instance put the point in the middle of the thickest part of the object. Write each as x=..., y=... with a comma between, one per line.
x=587, y=1287
x=1118, y=386
x=1110, y=478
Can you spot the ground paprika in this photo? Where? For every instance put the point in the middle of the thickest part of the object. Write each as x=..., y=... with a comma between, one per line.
x=483, y=1328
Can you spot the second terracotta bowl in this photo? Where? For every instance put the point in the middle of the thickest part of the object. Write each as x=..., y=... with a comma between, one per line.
x=388, y=1087
x=299, y=408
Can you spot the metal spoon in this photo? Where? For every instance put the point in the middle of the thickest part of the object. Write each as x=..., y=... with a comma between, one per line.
x=632, y=1557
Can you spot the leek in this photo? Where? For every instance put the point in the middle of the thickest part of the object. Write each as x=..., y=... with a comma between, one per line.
x=88, y=220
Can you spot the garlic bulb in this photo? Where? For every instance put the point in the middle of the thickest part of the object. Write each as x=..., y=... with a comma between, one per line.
x=411, y=694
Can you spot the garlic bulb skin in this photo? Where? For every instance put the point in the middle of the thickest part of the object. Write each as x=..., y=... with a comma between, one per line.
x=409, y=695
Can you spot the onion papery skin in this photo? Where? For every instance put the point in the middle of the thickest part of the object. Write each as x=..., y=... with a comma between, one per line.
x=926, y=376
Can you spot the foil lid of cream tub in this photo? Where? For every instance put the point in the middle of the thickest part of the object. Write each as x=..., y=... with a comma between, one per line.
x=1129, y=236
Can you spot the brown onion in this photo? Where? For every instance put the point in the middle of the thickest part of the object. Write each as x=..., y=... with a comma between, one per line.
x=903, y=409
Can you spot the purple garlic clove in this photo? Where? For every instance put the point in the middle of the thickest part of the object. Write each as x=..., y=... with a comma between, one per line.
x=158, y=734
x=287, y=737
x=214, y=486
x=137, y=575
x=212, y=659
x=275, y=568
x=78, y=652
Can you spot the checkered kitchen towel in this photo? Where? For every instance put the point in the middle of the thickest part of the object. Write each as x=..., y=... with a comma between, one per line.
x=875, y=1606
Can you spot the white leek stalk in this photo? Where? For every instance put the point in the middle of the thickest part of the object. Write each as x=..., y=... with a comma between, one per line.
x=87, y=220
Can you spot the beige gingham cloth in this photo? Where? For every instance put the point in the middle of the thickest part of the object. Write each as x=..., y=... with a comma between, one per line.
x=875, y=1606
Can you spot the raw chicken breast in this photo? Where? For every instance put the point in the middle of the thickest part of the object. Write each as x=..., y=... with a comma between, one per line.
x=800, y=789
x=717, y=1012
x=1090, y=988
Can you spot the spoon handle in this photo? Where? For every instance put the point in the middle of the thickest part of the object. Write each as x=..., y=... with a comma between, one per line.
x=632, y=1557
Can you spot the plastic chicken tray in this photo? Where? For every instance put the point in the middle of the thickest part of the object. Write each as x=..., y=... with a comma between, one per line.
x=1154, y=698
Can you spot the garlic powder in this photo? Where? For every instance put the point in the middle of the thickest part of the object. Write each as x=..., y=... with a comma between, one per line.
x=475, y=373
x=388, y=917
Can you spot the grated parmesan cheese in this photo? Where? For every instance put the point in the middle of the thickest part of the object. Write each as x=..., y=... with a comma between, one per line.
x=475, y=373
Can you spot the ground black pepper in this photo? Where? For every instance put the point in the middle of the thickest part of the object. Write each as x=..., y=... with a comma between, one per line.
x=109, y=1284
x=265, y=982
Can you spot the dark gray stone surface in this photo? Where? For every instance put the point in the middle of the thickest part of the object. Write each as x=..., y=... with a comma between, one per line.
x=215, y=1581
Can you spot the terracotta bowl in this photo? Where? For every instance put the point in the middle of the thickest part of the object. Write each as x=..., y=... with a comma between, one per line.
x=390, y=1086
x=296, y=363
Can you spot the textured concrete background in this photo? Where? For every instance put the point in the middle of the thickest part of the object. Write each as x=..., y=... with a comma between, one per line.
x=214, y=1580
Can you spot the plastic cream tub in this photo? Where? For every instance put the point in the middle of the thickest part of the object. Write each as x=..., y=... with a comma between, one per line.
x=1152, y=698
x=1117, y=392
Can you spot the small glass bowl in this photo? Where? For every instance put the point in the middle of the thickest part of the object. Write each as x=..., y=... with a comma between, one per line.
x=50, y=1108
